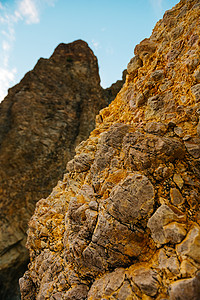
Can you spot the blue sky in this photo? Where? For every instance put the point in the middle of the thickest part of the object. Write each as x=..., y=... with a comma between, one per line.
x=30, y=29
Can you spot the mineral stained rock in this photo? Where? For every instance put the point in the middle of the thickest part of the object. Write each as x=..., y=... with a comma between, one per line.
x=124, y=222
x=42, y=119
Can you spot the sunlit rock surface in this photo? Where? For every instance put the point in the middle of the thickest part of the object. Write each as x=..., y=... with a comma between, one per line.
x=124, y=221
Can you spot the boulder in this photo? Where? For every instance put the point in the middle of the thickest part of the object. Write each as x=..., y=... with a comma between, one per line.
x=164, y=227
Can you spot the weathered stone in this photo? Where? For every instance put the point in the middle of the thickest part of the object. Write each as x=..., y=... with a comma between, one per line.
x=132, y=200
x=145, y=151
x=187, y=269
x=82, y=162
x=178, y=180
x=119, y=228
x=192, y=63
x=134, y=64
x=147, y=280
x=157, y=75
x=78, y=292
x=176, y=32
x=163, y=171
x=168, y=261
x=190, y=246
x=196, y=92
x=155, y=103
x=185, y=289
x=156, y=128
x=119, y=239
x=176, y=197
x=162, y=217
x=93, y=205
x=193, y=147
x=178, y=131
x=106, y=285
x=113, y=137
x=27, y=287
x=126, y=292
x=174, y=232
x=172, y=55
x=145, y=47
x=113, y=286
x=140, y=100
x=198, y=129
x=197, y=75
x=164, y=86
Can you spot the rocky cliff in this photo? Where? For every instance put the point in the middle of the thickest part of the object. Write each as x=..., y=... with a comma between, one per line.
x=42, y=119
x=125, y=221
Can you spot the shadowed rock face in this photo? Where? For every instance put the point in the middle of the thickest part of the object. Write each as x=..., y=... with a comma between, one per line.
x=42, y=119
x=124, y=222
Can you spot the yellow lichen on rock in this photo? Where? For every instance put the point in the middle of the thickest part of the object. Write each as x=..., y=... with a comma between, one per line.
x=127, y=211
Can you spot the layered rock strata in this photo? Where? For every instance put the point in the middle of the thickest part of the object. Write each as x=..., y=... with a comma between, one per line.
x=42, y=119
x=124, y=222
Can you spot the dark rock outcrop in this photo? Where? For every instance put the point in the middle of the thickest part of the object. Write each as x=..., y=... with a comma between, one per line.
x=124, y=222
x=42, y=120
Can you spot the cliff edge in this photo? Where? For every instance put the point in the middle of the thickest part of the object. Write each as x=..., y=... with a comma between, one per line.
x=124, y=222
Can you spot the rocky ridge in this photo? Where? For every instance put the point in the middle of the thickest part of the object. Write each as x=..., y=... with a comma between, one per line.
x=124, y=222
x=42, y=119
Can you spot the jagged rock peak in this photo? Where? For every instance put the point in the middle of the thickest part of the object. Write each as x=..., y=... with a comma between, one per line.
x=125, y=221
x=78, y=47
x=78, y=52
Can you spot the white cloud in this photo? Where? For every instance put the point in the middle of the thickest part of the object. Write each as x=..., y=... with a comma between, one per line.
x=5, y=46
x=7, y=77
x=27, y=11
x=95, y=44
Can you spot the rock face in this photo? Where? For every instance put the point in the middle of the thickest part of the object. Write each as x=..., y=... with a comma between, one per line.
x=124, y=222
x=42, y=119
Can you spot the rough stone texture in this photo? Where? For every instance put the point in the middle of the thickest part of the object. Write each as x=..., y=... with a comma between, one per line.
x=176, y=197
x=134, y=64
x=42, y=120
x=168, y=262
x=164, y=227
x=185, y=289
x=142, y=156
x=190, y=245
x=147, y=280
